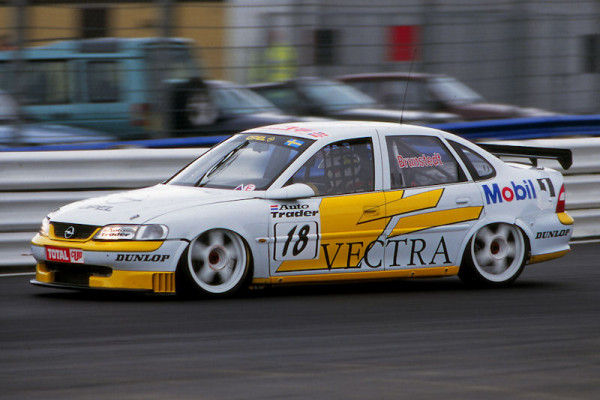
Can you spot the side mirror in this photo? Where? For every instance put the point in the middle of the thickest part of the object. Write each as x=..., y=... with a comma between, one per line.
x=291, y=192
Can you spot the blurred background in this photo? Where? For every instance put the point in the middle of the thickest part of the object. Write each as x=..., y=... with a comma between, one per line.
x=73, y=71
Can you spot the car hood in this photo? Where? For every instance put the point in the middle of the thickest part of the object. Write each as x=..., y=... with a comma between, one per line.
x=139, y=206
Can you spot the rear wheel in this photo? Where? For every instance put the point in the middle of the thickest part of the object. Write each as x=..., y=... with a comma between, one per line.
x=495, y=255
x=217, y=263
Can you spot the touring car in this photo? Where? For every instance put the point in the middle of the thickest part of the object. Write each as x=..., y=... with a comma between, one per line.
x=317, y=202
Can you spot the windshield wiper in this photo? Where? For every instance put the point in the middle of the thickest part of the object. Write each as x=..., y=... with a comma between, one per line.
x=221, y=162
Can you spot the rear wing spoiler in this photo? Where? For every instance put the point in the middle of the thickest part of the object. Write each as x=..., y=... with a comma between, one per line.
x=563, y=156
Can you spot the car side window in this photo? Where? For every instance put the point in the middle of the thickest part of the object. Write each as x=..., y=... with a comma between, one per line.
x=46, y=82
x=103, y=81
x=339, y=168
x=421, y=161
x=284, y=98
x=479, y=167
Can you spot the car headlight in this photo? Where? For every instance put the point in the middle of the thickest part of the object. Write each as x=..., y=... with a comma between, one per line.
x=132, y=232
x=45, y=227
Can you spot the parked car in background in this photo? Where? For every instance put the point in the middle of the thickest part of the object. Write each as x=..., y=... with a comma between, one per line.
x=14, y=131
x=435, y=93
x=130, y=87
x=235, y=108
x=333, y=99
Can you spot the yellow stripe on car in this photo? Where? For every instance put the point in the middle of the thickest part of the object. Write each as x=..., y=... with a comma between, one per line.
x=433, y=219
x=343, y=218
x=361, y=275
x=158, y=282
x=361, y=219
x=546, y=257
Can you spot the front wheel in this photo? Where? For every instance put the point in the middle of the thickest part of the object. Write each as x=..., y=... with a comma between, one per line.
x=494, y=256
x=217, y=263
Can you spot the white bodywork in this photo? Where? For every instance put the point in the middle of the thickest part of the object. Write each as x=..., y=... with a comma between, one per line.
x=393, y=233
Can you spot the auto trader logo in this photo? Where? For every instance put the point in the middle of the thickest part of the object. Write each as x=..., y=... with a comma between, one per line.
x=292, y=211
x=494, y=194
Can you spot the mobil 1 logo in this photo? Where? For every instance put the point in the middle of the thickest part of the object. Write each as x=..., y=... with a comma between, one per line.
x=296, y=241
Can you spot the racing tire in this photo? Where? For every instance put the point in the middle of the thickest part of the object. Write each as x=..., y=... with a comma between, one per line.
x=495, y=256
x=193, y=106
x=217, y=263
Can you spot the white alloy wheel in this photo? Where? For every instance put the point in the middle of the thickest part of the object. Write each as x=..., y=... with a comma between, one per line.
x=218, y=261
x=496, y=255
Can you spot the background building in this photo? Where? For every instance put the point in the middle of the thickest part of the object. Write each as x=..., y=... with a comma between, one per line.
x=530, y=52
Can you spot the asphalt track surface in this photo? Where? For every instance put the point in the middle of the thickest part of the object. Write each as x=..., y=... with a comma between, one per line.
x=432, y=339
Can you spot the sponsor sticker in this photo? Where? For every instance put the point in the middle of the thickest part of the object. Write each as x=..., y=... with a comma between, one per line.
x=60, y=254
x=552, y=234
x=246, y=188
x=421, y=161
x=297, y=129
x=294, y=143
x=292, y=211
x=260, y=138
x=515, y=192
x=143, y=257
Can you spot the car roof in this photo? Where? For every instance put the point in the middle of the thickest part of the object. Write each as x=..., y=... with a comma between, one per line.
x=300, y=80
x=391, y=75
x=217, y=83
x=338, y=130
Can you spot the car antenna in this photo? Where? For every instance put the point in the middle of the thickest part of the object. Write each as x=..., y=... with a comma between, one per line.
x=412, y=62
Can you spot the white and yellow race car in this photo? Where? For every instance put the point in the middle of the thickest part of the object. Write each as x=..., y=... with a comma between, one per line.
x=316, y=202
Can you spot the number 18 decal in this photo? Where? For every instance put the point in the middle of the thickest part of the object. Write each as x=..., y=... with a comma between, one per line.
x=296, y=241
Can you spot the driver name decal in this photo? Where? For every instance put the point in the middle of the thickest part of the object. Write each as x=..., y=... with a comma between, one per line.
x=420, y=162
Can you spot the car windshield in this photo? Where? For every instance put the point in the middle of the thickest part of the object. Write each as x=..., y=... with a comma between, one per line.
x=169, y=63
x=333, y=95
x=233, y=100
x=451, y=90
x=245, y=162
x=8, y=108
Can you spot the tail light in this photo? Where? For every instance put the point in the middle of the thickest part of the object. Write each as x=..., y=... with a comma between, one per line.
x=560, y=205
x=139, y=114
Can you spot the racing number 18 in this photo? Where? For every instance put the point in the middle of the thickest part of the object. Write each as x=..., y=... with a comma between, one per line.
x=296, y=241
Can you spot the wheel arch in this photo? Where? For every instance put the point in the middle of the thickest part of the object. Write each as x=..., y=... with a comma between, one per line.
x=183, y=275
x=519, y=223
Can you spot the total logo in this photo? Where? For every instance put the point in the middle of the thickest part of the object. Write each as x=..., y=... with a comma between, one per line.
x=515, y=192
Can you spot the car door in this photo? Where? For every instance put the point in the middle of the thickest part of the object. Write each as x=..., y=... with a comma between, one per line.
x=431, y=205
x=333, y=232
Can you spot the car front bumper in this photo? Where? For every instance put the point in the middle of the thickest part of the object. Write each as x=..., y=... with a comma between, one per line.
x=139, y=266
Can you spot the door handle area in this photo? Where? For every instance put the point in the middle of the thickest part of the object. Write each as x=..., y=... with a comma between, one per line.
x=463, y=200
x=373, y=210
